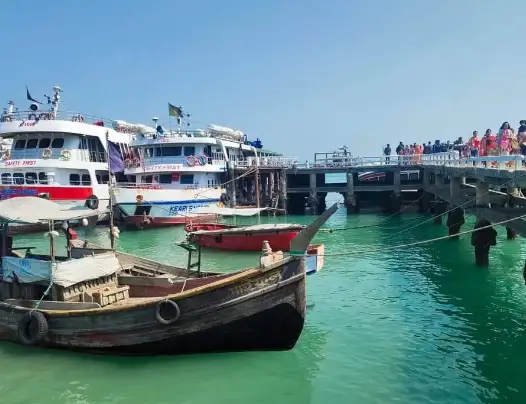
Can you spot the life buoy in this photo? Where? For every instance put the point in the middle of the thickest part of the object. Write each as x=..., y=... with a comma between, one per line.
x=32, y=328
x=167, y=312
x=6, y=118
x=136, y=162
x=139, y=199
x=92, y=202
x=32, y=117
x=203, y=159
x=47, y=153
x=191, y=160
x=6, y=155
x=65, y=154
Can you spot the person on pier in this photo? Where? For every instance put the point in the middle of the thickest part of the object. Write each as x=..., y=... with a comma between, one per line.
x=474, y=144
x=503, y=139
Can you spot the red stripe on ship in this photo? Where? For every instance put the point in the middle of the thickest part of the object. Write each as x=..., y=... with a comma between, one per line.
x=55, y=193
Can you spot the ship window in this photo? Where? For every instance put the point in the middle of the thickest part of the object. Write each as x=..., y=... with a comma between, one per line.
x=6, y=178
x=165, y=179
x=31, y=178
x=187, y=179
x=74, y=179
x=86, y=180
x=20, y=144
x=44, y=143
x=18, y=178
x=57, y=143
x=189, y=150
x=102, y=176
x=147, y=179
x=148, y=153
x=32, y=143
x=42, y=178
x=168, y=151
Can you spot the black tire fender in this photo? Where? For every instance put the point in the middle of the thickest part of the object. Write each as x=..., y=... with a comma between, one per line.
x=171, y=312
x=32, y=328
x=92, y=202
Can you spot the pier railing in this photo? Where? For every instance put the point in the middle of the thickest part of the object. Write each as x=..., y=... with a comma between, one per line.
x=452, y=159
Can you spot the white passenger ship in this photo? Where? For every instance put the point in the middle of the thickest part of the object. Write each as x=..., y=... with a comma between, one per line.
x=57, y=155
x=178, y=171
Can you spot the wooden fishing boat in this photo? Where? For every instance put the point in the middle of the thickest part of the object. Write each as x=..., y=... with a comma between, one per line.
x=101, y=301
x=240, y=238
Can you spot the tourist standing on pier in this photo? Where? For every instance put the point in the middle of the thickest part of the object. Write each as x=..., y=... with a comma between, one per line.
x=521, y=137
x=503, y=139
x=387, y=153
x=474, y=144
x=399, y=150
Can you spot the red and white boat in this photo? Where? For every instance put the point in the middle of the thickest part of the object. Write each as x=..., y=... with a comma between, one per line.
x=240, y=238
x=57, y=155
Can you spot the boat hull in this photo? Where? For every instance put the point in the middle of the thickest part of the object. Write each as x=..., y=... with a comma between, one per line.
x=256, y=309
x=139, y=222
x=164, y=204
x=248, y=241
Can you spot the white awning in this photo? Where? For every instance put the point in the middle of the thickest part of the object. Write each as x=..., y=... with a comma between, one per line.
x=34, y=210
x=214, y=210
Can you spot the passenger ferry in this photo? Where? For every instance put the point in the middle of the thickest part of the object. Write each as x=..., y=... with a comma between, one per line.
x=57, y=155
x=178, y=171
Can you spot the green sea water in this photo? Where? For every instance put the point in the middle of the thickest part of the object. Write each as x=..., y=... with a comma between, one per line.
x=418, y=324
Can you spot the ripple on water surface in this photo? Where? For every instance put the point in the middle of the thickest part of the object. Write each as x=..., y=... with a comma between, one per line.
x=417, y=324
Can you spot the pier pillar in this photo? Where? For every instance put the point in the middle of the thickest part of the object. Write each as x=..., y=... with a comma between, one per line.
x=455, y=220
x=512, y=192
x=231, y=186
x=455, y=187
x=439, y=209
x=482, y=199
x=395, y=202
x=282, y=190
x=439, y=181
x=483, y=240
x=271, y=192
x=312, y=201
x=425, y=202
x=351, y=200
x=397, y=182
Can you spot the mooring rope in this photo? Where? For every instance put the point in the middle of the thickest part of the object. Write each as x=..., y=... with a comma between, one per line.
x=450, y=210
x=383, y=249
x=379, y=223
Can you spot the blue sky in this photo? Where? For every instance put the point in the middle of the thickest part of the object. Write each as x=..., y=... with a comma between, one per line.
x=302, y=75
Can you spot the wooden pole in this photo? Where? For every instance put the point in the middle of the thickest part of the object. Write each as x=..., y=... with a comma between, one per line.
x=257, y=184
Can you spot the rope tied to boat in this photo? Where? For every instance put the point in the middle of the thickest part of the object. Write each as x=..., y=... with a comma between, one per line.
x=383, y=249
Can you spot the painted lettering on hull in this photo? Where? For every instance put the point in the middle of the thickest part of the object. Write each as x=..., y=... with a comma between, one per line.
x=176, y=210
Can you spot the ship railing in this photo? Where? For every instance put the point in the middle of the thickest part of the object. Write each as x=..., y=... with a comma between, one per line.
x=183, y=160
x=62, y=154
x=132, y=185
x=70, y=116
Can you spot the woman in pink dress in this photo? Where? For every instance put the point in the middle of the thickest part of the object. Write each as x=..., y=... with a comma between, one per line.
x=504, y=139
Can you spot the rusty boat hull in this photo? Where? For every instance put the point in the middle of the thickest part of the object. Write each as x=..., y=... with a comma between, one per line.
x=254, y=309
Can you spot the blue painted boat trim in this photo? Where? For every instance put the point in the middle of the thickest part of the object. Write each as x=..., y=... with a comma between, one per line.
x=190, y=201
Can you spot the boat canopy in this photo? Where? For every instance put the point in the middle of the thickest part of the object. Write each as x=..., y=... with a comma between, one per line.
x=215, y=210
x=35, y=210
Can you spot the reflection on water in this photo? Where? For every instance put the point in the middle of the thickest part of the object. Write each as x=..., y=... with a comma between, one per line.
x=416, y=325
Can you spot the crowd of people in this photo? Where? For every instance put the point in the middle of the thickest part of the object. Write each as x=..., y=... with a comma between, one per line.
x=506, y=142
